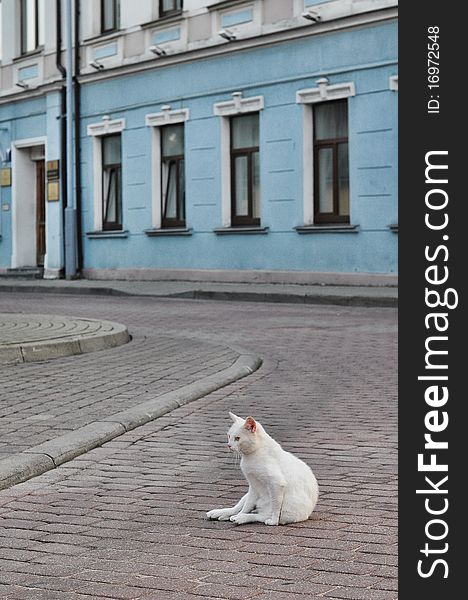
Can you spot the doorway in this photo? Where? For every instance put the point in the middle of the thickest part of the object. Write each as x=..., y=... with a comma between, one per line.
x=29, y=221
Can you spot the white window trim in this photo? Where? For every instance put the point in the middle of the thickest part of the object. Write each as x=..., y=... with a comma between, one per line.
x=393, y=83
x=308, y=97
x=96, y=131
x=237, y=106
x=167, y=116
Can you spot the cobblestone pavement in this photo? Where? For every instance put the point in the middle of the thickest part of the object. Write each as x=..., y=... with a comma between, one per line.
x=41, y=401
x=28, y=338
x=126, y=521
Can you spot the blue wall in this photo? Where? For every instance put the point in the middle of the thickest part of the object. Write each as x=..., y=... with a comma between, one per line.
x=367, y=56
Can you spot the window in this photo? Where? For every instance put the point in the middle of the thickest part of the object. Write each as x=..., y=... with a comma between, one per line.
x=331, y=165
x=111, y=183
x=172, y=176
x=170, y=7
x=245, y=170
x=110, y=15
x=32, y=25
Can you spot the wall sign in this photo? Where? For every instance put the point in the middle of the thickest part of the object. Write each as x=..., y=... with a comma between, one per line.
x=5, y=177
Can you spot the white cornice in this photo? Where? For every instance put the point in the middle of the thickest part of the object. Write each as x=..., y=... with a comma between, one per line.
x=238, y=105
x=106, y=127
x=167, y=117
x=324, y=92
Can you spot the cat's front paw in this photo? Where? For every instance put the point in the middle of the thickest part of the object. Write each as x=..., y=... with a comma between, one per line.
x=214, y=514
x=272, y=521
x=220, y=514
x=240, y=519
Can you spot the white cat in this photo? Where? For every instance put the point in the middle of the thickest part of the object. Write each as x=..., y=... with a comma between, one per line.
x=282, y=488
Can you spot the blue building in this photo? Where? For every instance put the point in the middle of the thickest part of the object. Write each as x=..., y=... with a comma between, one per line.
x=232, y=140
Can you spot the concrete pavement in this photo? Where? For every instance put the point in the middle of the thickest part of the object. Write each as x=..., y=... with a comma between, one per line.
x=127, y=520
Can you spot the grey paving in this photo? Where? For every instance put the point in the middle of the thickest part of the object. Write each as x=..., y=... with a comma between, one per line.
x=127, y=520
x=42, y=401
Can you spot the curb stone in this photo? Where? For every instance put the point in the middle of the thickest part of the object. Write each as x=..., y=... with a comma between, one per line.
x=44, y=457
x=63, y=345
x=384, y=301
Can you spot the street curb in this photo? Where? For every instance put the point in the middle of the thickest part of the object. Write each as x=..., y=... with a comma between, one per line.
x=285, y=298
x=69, y=346
x=195, y=294
x=44, y=457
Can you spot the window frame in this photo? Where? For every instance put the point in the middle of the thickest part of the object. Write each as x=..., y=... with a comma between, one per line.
x=116, y=19
x=323, y=91
x=117, y=169
x=171, y=12
x=180, y=220
x=96, y=131
x=24, y=28
x=156, y=121
x=333, y=143
x=243, y=220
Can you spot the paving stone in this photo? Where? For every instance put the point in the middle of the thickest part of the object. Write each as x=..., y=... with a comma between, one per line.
x=127, y=520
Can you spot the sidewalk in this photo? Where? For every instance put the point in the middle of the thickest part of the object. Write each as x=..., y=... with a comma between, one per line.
x=250, y=292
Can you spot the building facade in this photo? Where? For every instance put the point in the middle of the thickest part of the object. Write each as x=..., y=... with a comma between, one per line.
x=212, y=138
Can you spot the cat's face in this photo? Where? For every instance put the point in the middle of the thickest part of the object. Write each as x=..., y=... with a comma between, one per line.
x=242, y=435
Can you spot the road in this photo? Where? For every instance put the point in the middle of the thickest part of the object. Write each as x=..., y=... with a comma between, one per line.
x=126, y=521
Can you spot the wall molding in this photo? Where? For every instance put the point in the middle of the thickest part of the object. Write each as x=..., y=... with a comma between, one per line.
x=238, y=105
x=106, y=126
x=325, y=92
x=167, y=116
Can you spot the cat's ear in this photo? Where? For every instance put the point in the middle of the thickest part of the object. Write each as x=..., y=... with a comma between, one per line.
x=250, y=424
x=235, y=418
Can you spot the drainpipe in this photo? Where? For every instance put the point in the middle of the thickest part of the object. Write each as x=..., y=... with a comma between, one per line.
x=63, y=121
x=77, y=90
x=70, y=210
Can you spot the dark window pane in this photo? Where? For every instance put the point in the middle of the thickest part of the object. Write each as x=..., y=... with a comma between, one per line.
x=41, y=22
x=173, y=140
x=343, y=179
x=111, y=196
x=241, y=183
x=245, y=131
x=331, y=120
x=110, y=14
x=32, y=24
x=182, y=190
x=111, y=150
x=256, y=185
x=325, y=180
x=170, y=196
x=170, y=5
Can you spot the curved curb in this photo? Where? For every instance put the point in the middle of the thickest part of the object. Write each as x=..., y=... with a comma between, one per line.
x=58, y=347
x=51, y=454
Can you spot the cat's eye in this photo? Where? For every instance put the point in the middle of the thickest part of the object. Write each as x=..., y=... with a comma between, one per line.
x=237, y=438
